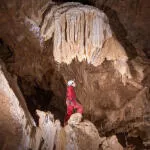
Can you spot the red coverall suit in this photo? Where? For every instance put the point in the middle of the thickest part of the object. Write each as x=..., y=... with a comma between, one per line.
x=72, y=104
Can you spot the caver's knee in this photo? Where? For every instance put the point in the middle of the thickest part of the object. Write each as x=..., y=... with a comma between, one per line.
x=79, y=108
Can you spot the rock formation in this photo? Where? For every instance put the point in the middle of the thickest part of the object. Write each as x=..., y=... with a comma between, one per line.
x=16, y=121
x=79, y=137
x=129, y=20
x=44, y=44
x=24, y=134
x=83, y=32
x=18, y=129
x=44, y=136
x=84, y=135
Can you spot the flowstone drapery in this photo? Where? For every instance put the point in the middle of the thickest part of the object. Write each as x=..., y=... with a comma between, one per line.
x=83, y=32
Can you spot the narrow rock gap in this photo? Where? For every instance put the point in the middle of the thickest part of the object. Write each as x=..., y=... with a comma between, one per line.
x=130, y=142
x=39, y=98
x=88, y=2
x=5, y=52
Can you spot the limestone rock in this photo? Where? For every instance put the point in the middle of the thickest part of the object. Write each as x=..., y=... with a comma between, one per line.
x=75, y=119
x=83, y=32
x=18, y=129
x=85, y=136
x=129, y=20
x=79, y=31
x=15, y=120
x=108, y=103
x=82, y=136
x=111, y=143
x=45, y=134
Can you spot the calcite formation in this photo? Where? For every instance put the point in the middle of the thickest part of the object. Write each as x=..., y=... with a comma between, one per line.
x=112, y=85
x=83, y=32
x=79, y=31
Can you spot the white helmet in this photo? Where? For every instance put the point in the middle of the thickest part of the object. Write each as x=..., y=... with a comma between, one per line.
x=71, y=83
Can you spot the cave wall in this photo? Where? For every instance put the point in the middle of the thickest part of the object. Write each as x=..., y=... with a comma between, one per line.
x=130, y=21
x=19, y=131
x=31, y=61
x=16, y=121
x=109, y=81
x=18, y=128
x=109, y=86
x=107, y=101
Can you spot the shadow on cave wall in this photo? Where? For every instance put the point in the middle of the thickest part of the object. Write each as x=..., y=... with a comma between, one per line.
x=39, y=98
x=130, y=142
x=6, y=54
x=88, y=2
x=119, y=30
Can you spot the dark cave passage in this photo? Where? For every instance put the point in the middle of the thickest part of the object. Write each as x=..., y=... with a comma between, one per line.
x=87, y=2
x=42, y=99
x=130, y=142
x=6, y=54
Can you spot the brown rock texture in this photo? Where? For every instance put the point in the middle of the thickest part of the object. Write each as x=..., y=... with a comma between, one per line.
x=83, y=32
x=110, y=87
x=15, y=120
x=84, y=135
x=81, y=135
x=18, y=129
x=45, y=44
x=130, y=21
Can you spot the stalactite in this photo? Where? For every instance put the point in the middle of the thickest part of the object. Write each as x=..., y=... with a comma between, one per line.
x=83, y=32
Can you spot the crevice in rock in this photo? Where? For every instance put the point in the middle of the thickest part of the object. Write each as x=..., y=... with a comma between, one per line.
x=6, y=53
x=43, y=99
x=37, y=99
x=130, y=142
x=87, y=2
